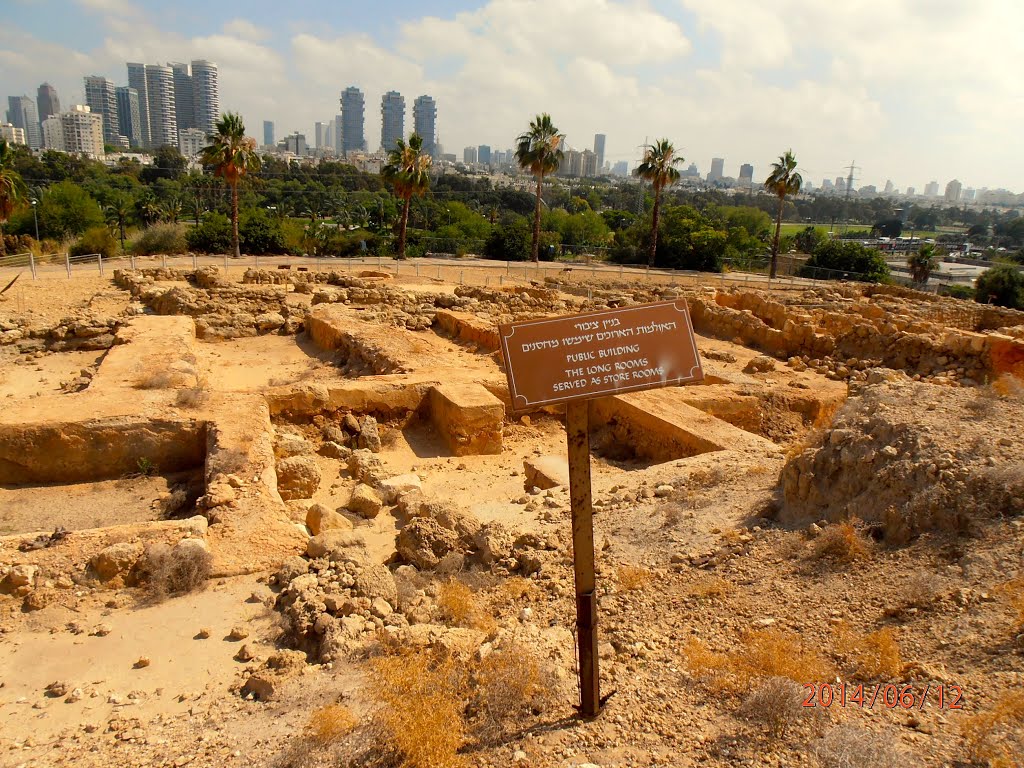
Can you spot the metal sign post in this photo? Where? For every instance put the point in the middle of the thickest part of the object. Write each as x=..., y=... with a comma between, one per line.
x=577, y=358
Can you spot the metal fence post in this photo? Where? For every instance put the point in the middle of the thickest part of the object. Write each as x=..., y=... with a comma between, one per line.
x=67, y=264
x=163, y=260
x=194, y=262
x=32, y=264
x=132, y=259
x=99, y=262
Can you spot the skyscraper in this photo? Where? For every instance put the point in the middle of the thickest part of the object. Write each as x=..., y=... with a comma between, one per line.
x=137, y=80
x=339, y=135
x=717, y=170
x=931, y=189
x=129, y=114
x=953, y=190
x=483, y=154
x=47, y=101
x=163, y=121
x=351, y=137
x=21, y=113
x=78, y=131
x=318, y=135
x=268, y=133
x=102, y=101
x=184, y=103
x=205, y=95
x=469, y=155
x=424, y=119
x=746, y=175
x=599, y=151
x=392, y=119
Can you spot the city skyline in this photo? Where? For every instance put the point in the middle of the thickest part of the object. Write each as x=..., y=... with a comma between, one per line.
x=758, y=81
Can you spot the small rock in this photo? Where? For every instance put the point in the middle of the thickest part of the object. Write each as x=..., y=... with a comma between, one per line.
x=57, y=689
x=245, y=653
x=102, y=630
x=238, y=633
x=203, y=633
x=365, y=502
x=143, y=661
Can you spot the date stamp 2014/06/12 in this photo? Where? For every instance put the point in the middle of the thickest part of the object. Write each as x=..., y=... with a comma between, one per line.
x=890, y=696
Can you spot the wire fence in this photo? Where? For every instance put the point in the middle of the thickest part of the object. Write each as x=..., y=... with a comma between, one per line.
x=465, y=270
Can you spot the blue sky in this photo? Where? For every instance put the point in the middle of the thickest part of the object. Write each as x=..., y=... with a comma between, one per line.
x=914, y=90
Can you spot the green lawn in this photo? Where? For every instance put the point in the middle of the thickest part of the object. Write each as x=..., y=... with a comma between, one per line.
x=791, y=228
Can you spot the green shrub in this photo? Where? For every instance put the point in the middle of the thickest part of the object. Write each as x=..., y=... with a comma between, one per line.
x=213, y=235
x=96, y=240
x=846, y=259
x=957, y=291
x=161, y=239
x=259, y=233
x=1002, y=285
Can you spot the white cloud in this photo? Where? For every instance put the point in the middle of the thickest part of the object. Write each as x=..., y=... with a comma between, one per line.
x=246, y=30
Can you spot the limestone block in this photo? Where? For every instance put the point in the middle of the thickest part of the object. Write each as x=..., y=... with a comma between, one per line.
x=546, y=472
x=469, y=418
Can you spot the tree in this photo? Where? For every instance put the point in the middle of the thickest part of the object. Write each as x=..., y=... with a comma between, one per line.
x=848, y=257
x=1002, y=285
x=659, y=168
x=67, y=210
x=118, y=212
x=12, y=188
x=923, y=262
x=539, y=152
x=408, y=172
x=784, y=180
x=807, y=239
x=232, y=155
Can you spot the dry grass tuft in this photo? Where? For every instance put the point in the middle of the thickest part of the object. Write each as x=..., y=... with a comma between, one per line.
x=995, y=737
x=842, y=542
x=919, y=590
x=875, y=655
x=775, y=653
x=177, y=570
x=777, y=704
x=421, y=720
x=331, y=723
x=459, y=607
x=517, y=588
x=632, y=577
x=156, y=380
x=191, y=397
x=1013, y=591
x=709, y=587
x=850, y=746
x=510, y=685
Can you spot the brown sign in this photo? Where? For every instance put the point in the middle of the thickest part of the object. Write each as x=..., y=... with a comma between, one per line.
x=599, y=353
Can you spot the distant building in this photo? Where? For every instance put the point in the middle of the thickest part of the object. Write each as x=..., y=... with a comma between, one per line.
x=13, y=134
x=47, y=102
x=746, y=175
x=599, y=139
x=869, y=189
x=294, y=143
x=78, y=131
x=22, y=113
x=329, y=135
x=205, y=95
x=621, y=168
x=717, y=170
x=392, y=120
x=184, y=98
x=889, y=187
x=911, y=191
x=101, y=97
x=572, y=164
x=840, y=184
x=931, y=189
x=268, y=133
x=163, y=119
x=691, y=171
x=137, y=80
x=318, y=135
x=191, y=142
x=589, y=166
x=424, y=119
x=827, y=185
x=953, y=190
x=351, y=136
x=469, y=155
x=483, y=154
x=129, y=115
x=970, y=195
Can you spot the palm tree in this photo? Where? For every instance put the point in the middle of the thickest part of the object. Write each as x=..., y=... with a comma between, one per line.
x=171, y=210
x=12, y=187
x=923, y=262
x=539, y=152
x=232, y=155
x=659, y=168
x=782, y=181
x=118, y=212
x=408, y=171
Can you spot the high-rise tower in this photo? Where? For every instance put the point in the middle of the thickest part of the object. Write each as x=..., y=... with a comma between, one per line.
x=392, y=119
x=352, y=137
x=163, y=120
x=47, y=101
x=102, y=100
x=21, y=113
x=424, y=119
x=599, y=151
x=129, y=115
x=205, y=95
x=137, y=80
